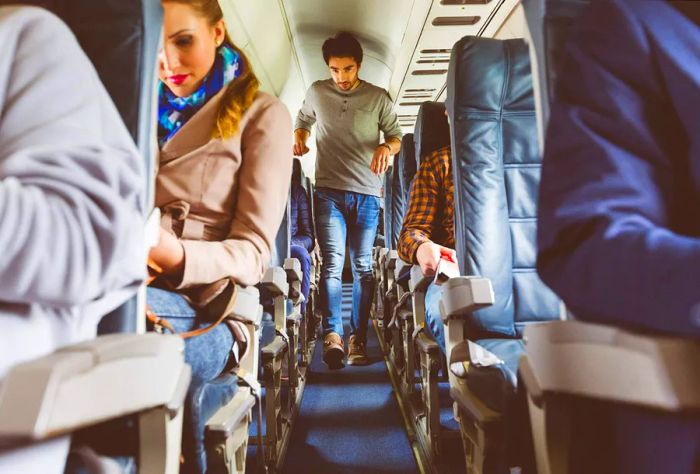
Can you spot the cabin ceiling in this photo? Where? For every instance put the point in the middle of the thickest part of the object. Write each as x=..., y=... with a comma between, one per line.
x=406, y=43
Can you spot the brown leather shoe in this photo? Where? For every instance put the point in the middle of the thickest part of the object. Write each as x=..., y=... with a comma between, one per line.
x=357, y=352
x=333, y=351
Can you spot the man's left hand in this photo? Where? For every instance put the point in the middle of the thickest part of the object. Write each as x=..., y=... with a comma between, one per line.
x=380, y=160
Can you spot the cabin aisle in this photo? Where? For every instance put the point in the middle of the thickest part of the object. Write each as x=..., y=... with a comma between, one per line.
x=349, y=419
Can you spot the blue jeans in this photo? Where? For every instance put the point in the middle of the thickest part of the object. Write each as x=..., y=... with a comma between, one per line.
x=300, y=253
x=355, y=216
x=207, y=353
x=433, y=320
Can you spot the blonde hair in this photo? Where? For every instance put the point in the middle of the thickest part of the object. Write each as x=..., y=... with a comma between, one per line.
x=240, y=93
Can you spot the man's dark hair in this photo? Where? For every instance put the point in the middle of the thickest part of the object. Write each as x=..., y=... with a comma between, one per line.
x=342, y=45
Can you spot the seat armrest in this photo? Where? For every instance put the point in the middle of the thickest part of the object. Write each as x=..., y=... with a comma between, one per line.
x=419, y=282
x=462, y=295
x=292, y=268
x=427, y=345
x=390, y=260
x=383, y=252
x=402, y=271
x=225, y=422
x=247, y=306
x=275, y=281
x=613, y=364
x=273, y=349
x=75, y=386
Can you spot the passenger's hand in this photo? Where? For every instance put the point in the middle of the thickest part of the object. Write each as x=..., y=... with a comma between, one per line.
x=169, y=254
x=429, y=255
x=380, y=160
x=300, y=137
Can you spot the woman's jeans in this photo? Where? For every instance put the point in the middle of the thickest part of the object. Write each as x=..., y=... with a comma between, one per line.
x=341, y=216
x=433, y=320
x=207, y=353
x=301, y=254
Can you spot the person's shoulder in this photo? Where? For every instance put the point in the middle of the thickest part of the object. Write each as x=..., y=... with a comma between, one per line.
x=30, y=15
x=37, y=25
x=376, y=90
x=321, y=85
x=438, y=160
x=265, y=102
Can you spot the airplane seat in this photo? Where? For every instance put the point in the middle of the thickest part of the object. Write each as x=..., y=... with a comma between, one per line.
x=308, y=326
x=280, y=343
x=430, y=134
x=632, y=404
x=496, y=170
x=408, y=162
x=388, y=210
x=313, y=321
x=432, y=131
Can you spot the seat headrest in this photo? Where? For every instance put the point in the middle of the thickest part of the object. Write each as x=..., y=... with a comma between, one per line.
x=549, y=23
x=432, y=130
x=407, y=163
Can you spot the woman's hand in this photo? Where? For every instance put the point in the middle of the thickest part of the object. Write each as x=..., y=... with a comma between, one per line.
x=169, y=255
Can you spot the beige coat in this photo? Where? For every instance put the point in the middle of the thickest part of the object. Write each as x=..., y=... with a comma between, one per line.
x=225, y=198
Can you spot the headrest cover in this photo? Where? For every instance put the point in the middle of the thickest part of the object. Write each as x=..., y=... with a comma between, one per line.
x=432, y=130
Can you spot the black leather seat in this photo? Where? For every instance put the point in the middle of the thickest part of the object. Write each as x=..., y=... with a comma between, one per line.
x=496, y=167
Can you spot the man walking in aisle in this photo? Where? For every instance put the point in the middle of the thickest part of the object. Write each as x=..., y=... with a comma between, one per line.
x=349, y=114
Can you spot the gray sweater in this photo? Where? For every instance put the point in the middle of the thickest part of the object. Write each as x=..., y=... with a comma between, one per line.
x=347, y=132
x=71, y=193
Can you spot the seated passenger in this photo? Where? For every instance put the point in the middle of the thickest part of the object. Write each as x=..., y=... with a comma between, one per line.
x=72, y=213
x=302, y=236
x=619, y=233
x=221, y=186
x=619, y=238
x=427, y=236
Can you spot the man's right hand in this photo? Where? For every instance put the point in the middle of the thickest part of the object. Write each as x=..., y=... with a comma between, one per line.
x=300, y=137
x=429, y=254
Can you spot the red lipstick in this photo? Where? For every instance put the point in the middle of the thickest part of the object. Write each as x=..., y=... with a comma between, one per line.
x=178, y=79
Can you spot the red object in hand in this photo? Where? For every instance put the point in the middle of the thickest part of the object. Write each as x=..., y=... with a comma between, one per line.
x=444, y=254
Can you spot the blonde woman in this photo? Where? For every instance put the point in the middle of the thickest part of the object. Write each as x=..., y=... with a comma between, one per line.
x=223, y=178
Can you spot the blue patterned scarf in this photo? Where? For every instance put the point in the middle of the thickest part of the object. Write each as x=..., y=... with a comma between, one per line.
x=174, y=111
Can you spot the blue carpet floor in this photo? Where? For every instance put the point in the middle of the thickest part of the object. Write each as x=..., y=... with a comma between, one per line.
x=349, y=420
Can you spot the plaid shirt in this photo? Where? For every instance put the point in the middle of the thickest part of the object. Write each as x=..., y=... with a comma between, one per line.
x=430, y=214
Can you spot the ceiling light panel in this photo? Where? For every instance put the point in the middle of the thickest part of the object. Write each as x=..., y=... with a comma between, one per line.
x=447, y=22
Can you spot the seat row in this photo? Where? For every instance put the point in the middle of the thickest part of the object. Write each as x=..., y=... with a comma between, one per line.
x=126, y=397
x=506, y=333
